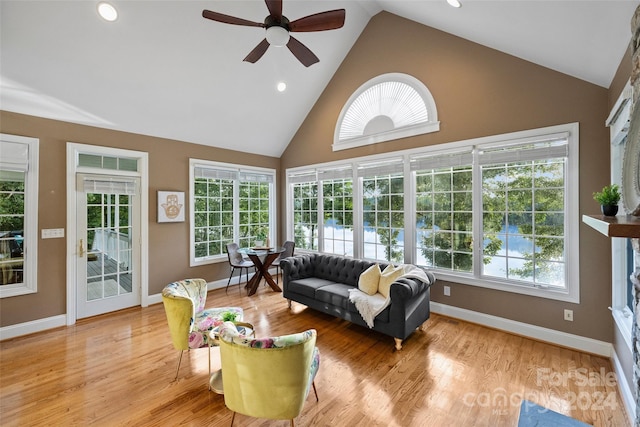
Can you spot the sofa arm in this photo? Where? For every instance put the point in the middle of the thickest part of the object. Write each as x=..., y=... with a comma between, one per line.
x=297, y=267
x=406, y=289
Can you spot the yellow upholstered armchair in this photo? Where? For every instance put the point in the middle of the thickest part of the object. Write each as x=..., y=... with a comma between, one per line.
x=268, y=377
x=189, y=322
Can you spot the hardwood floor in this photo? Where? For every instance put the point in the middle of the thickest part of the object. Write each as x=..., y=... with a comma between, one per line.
x=118, y=369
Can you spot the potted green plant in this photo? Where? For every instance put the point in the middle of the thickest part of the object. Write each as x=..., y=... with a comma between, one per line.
x=229, y=316
x=260, y=237
x=608, y=199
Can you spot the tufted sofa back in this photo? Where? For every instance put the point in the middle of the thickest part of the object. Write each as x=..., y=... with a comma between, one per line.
x=340, y=269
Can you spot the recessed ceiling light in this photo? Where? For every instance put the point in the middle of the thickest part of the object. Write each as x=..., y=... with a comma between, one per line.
x=282, y=86
x=107, y=11
x=454, y=3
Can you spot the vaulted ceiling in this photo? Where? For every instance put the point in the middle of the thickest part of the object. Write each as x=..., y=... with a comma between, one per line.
x=162, y=70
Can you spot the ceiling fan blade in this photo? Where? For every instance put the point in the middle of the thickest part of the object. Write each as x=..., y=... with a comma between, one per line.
x=329, y=20
x=302, y=52
x=275, y=8
x=257, y=52
x=226, y=19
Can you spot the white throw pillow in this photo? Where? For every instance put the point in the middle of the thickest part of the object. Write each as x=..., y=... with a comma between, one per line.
x=388, y=276
x=368, y=280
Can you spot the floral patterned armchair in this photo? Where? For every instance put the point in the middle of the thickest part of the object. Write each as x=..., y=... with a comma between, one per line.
x=268, y=377
x=189, y=322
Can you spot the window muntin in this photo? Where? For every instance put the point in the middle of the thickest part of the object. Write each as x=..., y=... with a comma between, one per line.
x=337, y=197
x=109, y=236
x=12, y=214
x=254, y=212
x=550, y=231
x=213, y=216
x=523, y=221
x=18, y=215
x=444, y=218
x=383, y=217
x=305, y=215
x=229, y=203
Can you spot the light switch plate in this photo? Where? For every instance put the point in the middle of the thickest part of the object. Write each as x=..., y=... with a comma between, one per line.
x=52, y=233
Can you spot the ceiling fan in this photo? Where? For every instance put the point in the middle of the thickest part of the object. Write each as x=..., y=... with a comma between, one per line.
x=278, y=28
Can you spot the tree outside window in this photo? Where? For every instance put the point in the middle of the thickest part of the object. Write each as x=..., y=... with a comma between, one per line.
x=12, y=214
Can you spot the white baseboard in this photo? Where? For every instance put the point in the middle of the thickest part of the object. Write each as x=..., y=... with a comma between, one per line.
x=33, y=326
x=543, y=334
x=624, y=388
x=218, y=284
x=40, y=325
x=563, y=339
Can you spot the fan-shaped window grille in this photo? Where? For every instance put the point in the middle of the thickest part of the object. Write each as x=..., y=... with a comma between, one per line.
x=388, y=107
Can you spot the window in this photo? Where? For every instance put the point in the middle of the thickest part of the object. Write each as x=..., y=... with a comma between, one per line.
x=622, y=252
x=523, y=211
x=337, y=208
x=229, y=203
x=499, y=212
x=387, y=107
x=255, y=210
x=444, y=216
x=18, y=215
x=305, y=212
x=383, y=211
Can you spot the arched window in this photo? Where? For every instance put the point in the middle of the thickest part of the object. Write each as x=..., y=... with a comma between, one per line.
x=387, y=107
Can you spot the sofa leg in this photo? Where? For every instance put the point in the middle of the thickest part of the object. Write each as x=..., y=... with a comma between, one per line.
x=398, y=343
x=289, y=302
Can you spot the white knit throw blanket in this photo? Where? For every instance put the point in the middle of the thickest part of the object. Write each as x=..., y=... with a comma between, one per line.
x=369, y=306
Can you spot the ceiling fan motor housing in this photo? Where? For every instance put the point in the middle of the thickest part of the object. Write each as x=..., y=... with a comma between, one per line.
x=277, y=31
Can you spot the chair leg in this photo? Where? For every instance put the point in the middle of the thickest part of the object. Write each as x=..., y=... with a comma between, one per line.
x=233, y=417
x=240, y=281
x=209, y=367
x=233, y=269
x=178, y=368
x=292, y=424
x=315, y=391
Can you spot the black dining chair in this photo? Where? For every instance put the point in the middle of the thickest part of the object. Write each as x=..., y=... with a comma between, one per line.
x=237, y=261
x=289, y=247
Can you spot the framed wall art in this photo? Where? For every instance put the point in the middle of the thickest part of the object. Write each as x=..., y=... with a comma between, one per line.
x=170, y=206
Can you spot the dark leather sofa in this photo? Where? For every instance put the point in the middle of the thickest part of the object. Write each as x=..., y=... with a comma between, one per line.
x=322, y=282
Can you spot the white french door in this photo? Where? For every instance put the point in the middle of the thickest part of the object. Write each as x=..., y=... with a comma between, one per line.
x=108, y=243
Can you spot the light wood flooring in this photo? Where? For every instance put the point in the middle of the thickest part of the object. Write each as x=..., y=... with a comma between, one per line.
x=118, y=369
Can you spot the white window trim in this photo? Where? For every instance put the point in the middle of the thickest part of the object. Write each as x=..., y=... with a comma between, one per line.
x=572, y=218
x=618, y=123
x=30, y=266
x=432, y=125
x=235, y=167
x=73, y=151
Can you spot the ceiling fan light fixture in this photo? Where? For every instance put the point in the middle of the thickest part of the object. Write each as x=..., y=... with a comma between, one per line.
x=107, y=11
x=277, y=36
x=454, y=3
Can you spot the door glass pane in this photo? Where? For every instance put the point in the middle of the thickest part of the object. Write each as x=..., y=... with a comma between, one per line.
x=108, y=245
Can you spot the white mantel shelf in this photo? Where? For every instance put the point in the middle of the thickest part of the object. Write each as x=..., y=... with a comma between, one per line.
x=614, y=226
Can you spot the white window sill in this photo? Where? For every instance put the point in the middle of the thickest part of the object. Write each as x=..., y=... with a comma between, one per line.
x=467, y=279
x=211, y=260
x=623, y=319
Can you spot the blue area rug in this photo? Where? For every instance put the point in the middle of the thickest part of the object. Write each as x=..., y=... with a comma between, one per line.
x=533, y=415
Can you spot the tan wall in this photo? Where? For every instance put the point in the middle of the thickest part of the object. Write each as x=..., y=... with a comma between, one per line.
x=168, y=243
x=478, y=92
x=621, y=78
